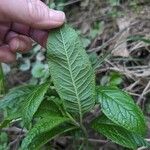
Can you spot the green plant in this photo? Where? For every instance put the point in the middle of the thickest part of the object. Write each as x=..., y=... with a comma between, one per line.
x=114, y=2
x=113, y=79
x=57, y=4
x=3, y=141
x=59, y=105
x=134, y=5
x=2, y=81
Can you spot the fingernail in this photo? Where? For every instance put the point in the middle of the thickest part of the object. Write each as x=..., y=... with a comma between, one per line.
x=57, y=16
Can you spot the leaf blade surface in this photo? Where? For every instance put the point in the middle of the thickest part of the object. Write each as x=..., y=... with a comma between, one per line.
x=71, y=70
x=118, y=134
x=119, y=107
x=42, y=127
x=33, y=101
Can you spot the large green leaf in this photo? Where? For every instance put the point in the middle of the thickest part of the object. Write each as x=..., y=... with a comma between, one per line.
x=45, y=126
x=121, y=109
x=118, y=134
x=71, y=70
x=32, y=102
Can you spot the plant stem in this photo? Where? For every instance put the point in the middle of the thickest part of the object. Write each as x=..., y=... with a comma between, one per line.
x=73, y=120
x=82, y=128
x=2, y=81
x=85, y=134
x=84, y=131
x=89, y=139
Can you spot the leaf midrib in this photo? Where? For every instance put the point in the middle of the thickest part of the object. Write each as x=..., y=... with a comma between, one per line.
x=70, y=71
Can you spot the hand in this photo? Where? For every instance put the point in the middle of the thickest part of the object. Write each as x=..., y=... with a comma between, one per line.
x=21, y=20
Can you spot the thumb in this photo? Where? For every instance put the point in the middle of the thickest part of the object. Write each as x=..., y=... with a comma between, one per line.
x=30, y=12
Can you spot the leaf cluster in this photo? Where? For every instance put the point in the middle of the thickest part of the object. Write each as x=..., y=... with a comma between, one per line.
x=58, y=106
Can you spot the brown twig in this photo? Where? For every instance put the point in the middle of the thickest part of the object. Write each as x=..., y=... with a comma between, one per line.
x=16, y=141
x=89, y=139
x=14, y=129
x=143, y=93
x=129, y=88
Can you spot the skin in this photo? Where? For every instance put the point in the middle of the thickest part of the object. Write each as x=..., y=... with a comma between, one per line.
x=22, y=21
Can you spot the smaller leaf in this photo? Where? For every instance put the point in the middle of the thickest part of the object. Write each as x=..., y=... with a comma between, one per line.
x=115, y=79
x=112, y=79
x=39, y=70
x=119, y=107
x=42, y=127
x=15, y=96
x=4, y=123
x=48, y=108
x=45, y=137
x=33, y=101
x=118, y=134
